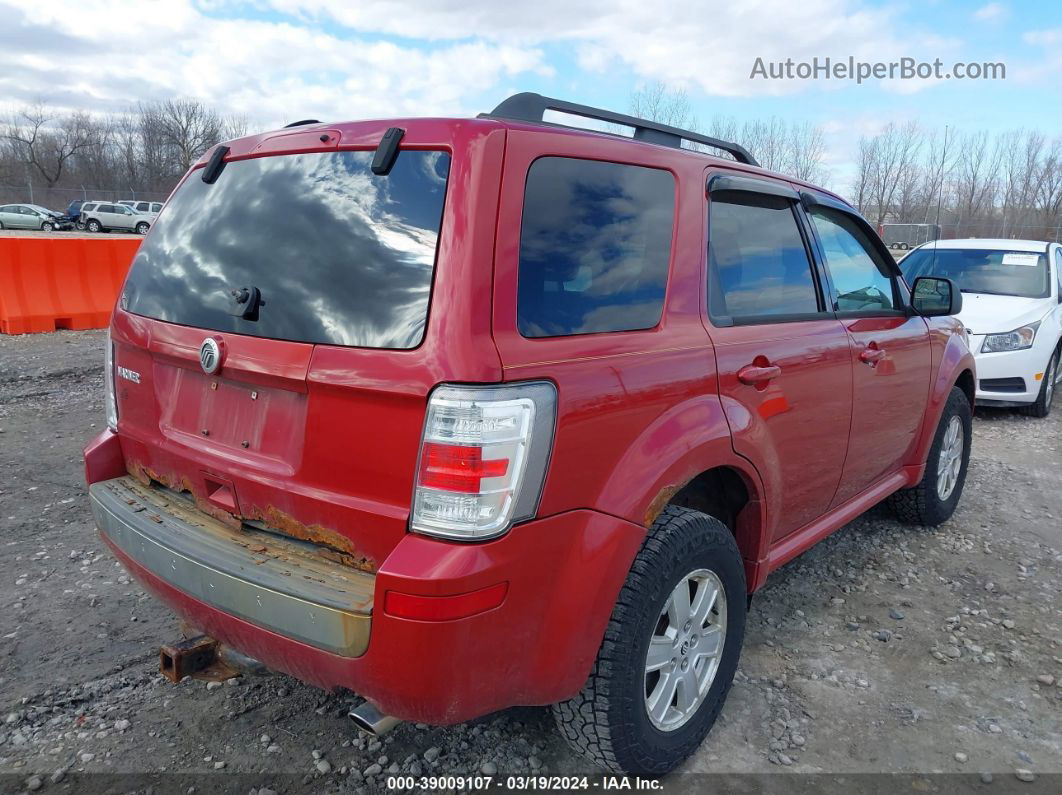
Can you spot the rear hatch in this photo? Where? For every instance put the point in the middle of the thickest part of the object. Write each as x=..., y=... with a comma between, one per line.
x=313, y=279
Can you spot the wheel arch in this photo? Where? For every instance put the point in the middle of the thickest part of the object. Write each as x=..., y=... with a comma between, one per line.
x=691, y=460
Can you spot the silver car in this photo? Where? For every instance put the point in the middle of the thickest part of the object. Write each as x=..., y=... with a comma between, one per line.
x=108, y=216
x=27, y=216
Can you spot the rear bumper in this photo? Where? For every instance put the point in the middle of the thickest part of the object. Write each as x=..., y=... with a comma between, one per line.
x=277, y=584
x=563, y=574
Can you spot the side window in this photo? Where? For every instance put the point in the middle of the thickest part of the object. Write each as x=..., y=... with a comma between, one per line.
x=861, y=284
x=1058, y=270
x=156, y=207
x=758, y=264
x=106, y=208
x=595, y=246
x=143, y=206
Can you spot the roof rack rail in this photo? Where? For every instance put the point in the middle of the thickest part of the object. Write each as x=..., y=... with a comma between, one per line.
x=532, y=107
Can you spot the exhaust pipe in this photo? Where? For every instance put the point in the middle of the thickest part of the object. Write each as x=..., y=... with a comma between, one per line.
x=371, y=721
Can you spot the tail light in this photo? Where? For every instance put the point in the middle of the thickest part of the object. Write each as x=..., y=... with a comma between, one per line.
x=483, y=458
x=110, y=403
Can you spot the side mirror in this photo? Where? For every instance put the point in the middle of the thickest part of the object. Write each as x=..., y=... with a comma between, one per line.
x=932, y=296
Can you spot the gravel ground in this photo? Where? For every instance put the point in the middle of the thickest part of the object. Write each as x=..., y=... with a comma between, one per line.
x=884, y=649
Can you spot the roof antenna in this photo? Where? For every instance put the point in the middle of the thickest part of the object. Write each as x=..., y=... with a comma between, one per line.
x=940, y=196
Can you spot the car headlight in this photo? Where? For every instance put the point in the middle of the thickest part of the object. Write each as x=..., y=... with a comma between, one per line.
x=1016, y=340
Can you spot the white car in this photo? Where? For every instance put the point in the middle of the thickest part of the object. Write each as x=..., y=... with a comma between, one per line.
x=1012, y=310
x=107, y=216
x=150, y=209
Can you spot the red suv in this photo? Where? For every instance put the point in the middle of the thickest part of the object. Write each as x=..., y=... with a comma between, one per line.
x=462, y=414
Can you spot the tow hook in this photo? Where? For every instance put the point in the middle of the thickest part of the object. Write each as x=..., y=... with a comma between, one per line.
x=198, y=657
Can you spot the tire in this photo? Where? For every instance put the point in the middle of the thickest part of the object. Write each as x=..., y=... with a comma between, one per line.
x=93, y=225
x=142, y=228
x=926, y=504
x=1042, y=407
x=608, y=722
x=1, y=224
x=47, y=227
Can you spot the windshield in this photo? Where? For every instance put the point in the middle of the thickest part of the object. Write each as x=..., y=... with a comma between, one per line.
x=308, y=247
x=975, y=270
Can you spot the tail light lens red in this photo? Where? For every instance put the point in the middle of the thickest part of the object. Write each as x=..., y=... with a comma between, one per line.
x=483, y=458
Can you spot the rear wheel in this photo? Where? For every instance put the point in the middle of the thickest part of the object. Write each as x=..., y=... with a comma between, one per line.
x=934, y=499
x=93, y=225
x=1042, y=406
x=669, y=653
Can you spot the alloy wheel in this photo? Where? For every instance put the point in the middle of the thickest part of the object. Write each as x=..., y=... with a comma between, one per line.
x=949, y=464
x=685, y=649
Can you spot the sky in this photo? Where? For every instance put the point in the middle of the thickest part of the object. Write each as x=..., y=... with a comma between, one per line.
x=275, y=61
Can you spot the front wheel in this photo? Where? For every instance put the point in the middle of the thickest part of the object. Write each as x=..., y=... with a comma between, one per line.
x=934, y=499
x=1042, y=407
x=47, y=226
x=669, y=653
x=142, y=228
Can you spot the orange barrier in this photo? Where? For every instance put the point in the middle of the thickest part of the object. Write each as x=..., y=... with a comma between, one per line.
x=49, y=283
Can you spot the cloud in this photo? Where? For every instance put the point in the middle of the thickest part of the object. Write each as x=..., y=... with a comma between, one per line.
x=1043, y=38
x=271, y=71
x=992, y=11
x=274, y=60
x=698, y=44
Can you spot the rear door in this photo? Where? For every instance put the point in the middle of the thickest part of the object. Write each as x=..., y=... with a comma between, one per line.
x=784, y=361
x=889, y=348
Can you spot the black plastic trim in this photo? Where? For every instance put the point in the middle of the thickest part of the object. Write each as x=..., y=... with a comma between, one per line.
x=215, y=165
x=387, y=152
x=721, y=182
x=531, y=107
x=301, y=122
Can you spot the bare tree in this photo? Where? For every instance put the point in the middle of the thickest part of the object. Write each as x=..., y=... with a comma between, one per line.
x=186, y=126
x=657, y=102
x=46, y=142
x=890, y=158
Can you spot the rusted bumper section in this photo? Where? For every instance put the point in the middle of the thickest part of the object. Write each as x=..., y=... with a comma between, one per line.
x=278, y=584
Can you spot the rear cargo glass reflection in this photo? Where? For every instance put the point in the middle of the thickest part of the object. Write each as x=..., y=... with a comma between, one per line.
x=338, y=255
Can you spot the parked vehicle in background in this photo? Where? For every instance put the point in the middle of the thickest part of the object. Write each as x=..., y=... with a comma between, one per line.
x=150, y=209
x=108, y=217
x=559, y=481
x=908, y=236
x=1012, y=311
x=31, y=216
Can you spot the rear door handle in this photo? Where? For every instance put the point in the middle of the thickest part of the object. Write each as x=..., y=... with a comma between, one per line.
x=754, y=374
x=871, y=354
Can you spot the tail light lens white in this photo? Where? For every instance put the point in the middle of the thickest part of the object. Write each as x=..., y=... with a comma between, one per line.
x=110, y=403
x=483, y=458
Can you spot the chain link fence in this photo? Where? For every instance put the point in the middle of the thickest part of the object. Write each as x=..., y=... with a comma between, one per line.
x=60, y=198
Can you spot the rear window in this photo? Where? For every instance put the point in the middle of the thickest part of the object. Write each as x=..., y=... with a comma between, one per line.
x=595, y=244
x=338, y=255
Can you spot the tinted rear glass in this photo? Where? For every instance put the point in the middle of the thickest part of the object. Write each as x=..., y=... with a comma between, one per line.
x=595, y=245
x=340, y=256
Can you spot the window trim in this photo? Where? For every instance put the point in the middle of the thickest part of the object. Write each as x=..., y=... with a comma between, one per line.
x=900, y=295
x=721, y=183
x=675, y=212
